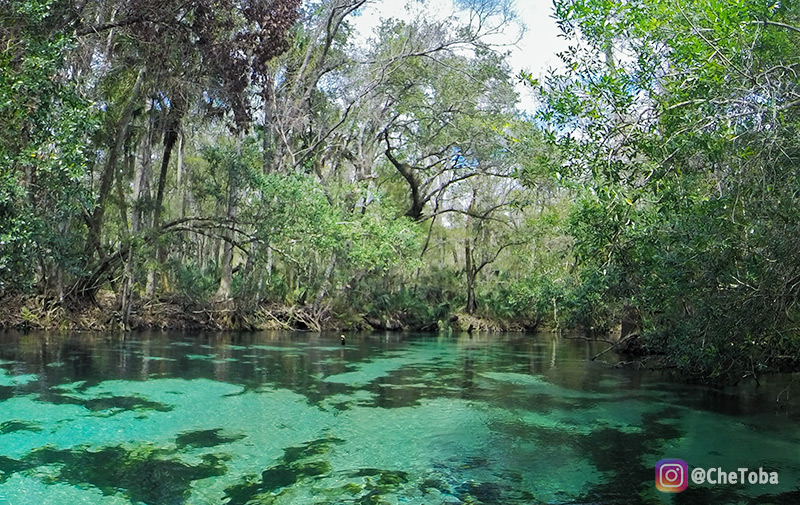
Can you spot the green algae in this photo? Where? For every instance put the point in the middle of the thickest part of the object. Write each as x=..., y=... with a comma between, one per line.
x=6, y=392
x=206, y=438
x=385, y=478
x=349, y=488
x=143, y=474
x=378, y=483
x=299, y=464
x=9, y=467
x=13, y=426
x=310, y=449
x=109, y=405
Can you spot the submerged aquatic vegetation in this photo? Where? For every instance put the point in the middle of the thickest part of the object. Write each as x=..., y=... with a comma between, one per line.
x=13, y=426
x=144, y=474
x=205, y=438
x=298, y=464
x=302, y=466
x=107, y=405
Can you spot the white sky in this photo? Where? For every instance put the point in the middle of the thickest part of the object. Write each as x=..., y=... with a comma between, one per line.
x=534, y=53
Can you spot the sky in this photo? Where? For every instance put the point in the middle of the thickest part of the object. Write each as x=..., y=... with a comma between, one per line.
x=535, y=52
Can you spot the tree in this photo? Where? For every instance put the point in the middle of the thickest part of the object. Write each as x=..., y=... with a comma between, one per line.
x=209, y=151
x=680, y=129
x=43, y=158
x=208, y=53
x=441, y=108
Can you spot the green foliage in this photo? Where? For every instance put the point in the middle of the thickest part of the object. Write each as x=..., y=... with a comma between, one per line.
x=43, y=153
x=679, y=129
x=528, y=301
x=195, y=283
x=289, y=230
x=409, y=308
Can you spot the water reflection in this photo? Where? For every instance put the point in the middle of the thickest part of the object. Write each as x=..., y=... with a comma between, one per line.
x=388, y=418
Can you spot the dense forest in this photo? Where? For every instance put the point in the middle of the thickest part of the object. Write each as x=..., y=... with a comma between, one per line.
x=256, y=163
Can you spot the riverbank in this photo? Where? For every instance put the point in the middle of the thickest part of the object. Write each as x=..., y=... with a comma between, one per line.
x=22, y=312
x=26, y=313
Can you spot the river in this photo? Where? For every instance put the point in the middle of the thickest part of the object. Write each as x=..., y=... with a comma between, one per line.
x=297, y=418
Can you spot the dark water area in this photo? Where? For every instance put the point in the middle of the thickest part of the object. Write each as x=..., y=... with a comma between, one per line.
x=296, y=418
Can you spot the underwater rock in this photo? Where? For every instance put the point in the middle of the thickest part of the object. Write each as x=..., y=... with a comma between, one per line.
x=486, y=492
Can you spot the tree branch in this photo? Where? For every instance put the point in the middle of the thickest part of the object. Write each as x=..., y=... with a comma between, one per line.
x=776, y=23
x=496, y=255
x=108, y=26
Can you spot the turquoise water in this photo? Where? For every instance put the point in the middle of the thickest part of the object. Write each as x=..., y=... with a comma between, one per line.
x=295, y=418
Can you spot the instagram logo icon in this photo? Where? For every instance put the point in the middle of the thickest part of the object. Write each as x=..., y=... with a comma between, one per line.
x=671, y=475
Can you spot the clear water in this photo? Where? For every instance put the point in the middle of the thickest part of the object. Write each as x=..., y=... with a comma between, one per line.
x=292, y=418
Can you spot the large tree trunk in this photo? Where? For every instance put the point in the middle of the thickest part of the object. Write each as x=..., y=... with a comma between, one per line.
x=470, y=274
x=268, y=142
x=95, y=221
x=170, y=137
x=418, y=202
x=141, y=194
x=120, y=134
x=470, y=268
x=226, y=279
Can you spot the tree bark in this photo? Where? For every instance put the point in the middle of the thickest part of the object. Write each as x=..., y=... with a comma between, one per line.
x=141, y=194
x=417, y=199
x=170, y=137
x=470, y=274
x=470, y=269
x=226, y=279
x=107, y=178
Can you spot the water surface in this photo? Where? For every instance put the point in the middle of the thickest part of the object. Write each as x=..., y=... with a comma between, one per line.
x=296, y=418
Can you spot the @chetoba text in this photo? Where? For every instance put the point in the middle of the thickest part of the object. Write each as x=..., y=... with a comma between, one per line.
x=673, y=476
